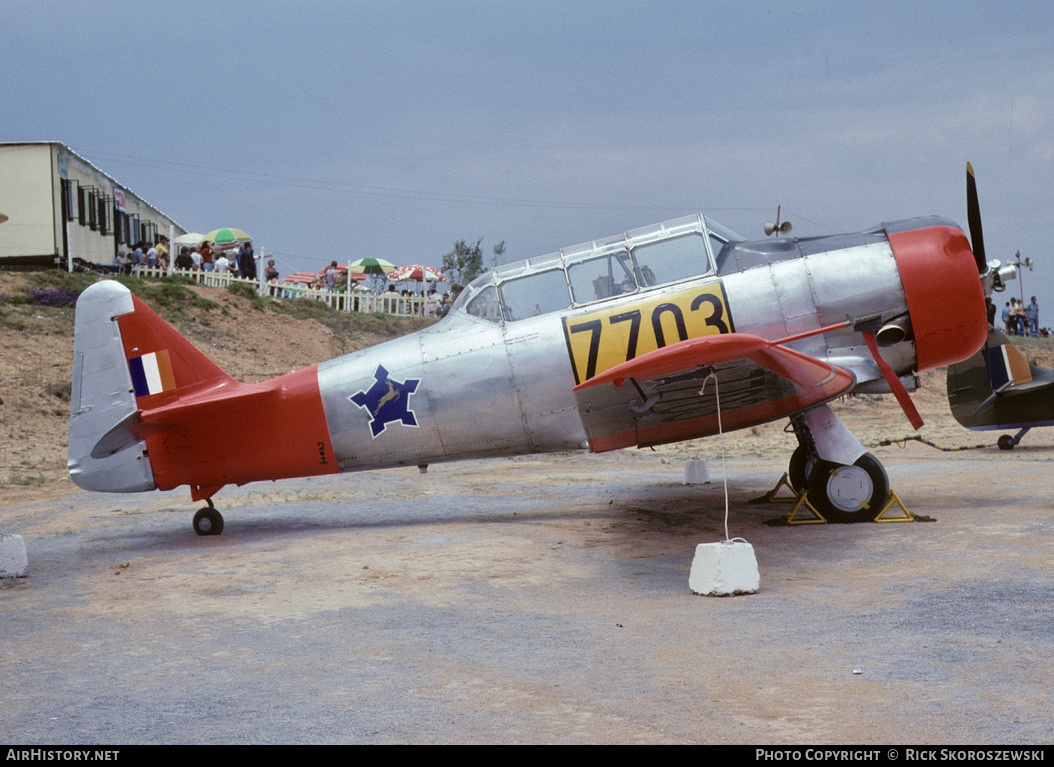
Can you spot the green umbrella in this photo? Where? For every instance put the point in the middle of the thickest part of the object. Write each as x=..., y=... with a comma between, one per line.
x=372, y=266
x=226, y=236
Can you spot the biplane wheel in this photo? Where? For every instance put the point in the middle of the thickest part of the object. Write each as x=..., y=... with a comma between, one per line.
x=844, y=493
x=800, y=468
x=208, y=521
x=1006, y=442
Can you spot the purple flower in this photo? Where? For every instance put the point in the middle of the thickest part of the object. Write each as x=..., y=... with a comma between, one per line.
x=61, y=297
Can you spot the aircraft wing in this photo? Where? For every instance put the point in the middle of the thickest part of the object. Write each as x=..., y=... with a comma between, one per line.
x=668, y=397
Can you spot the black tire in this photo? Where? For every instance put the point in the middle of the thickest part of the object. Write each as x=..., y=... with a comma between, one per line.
x=1006, y=442
x=208, y=521
x=800, y=468
x=846, y=494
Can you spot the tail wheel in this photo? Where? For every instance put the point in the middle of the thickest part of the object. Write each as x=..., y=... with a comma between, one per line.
x=208, y=521
x=844, y=493
x=1006, y=442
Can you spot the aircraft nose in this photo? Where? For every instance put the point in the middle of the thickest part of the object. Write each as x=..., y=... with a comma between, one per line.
x=943, y=292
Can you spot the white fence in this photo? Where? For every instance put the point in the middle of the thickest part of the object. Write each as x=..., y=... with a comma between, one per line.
x=357, y=301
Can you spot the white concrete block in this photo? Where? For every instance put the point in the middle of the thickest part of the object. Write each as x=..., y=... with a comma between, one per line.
x=13, y=559
x=696, y=471
x=723, y=569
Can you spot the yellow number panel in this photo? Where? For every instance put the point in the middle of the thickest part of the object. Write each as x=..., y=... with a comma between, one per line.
x=601, y=339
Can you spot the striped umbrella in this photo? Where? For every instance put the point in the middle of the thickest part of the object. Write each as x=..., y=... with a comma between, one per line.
x=372, y=266
x=416, y=273
x=306, y=278
x=226, y=236
x=301, y=278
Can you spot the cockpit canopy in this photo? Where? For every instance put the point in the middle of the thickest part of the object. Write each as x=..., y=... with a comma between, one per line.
x=633, y=262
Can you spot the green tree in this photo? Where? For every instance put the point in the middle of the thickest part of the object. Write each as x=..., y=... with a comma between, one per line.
x=465, y=262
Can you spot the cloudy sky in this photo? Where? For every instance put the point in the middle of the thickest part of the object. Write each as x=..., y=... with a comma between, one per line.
x=348, y=129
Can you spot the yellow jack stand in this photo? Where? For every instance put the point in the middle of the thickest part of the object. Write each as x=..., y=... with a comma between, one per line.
x=894, y=500
x=803, y=500
x=800, y=500
x=770, y=496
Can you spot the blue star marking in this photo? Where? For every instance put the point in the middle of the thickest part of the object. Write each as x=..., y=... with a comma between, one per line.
x=387, y=401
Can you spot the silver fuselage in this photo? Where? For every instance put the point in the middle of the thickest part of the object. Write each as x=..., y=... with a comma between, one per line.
x=490, y=383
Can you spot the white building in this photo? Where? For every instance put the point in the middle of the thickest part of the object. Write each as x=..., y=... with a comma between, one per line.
x=56, y=207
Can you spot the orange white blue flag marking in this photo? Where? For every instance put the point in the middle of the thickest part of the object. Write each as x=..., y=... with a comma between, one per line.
x=1006, y=364
x=152, y=373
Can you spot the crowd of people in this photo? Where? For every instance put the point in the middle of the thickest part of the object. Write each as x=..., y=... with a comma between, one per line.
x=145, y=255
x=1022, y=319
x=203, y=258
x=207, y=258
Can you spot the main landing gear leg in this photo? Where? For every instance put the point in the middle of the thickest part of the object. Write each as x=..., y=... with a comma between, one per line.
x=208, y=521
x=845, y=483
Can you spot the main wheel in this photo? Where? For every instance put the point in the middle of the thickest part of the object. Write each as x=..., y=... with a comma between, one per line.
x=844, y=493
x=208, y=521
x=800, y=468
x=1006, y=442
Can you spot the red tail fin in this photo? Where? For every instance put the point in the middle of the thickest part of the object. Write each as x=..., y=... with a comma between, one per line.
x=164, y=366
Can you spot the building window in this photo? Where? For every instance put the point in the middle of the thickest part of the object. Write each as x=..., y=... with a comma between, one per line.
x=69, y=198
x=92, y=199
x=105, y=208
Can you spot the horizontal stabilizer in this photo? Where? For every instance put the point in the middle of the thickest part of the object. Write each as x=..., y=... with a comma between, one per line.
x=128, y=433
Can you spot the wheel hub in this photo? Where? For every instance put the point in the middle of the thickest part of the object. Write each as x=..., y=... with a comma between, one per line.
x=849, y=488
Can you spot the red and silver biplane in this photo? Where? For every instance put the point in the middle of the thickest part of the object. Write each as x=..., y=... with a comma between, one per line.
x=604, y=345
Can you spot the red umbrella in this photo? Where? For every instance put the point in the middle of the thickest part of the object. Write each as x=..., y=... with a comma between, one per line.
x=306, y=278
x=416, y=273
x=302, y=278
